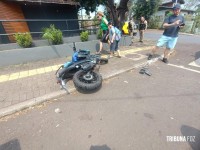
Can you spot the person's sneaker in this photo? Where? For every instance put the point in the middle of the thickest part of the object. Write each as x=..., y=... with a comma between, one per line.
x=150, y=56
x=165, y=60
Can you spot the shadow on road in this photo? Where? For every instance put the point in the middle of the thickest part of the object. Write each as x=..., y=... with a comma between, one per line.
x=197, y=55
x=103, y=147
x=11, y=145
x=191, y=132
x=55, y=50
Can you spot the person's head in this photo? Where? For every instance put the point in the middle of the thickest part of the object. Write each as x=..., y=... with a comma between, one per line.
x=177, y=9
x=110, y=24
x=142, y=18
x=100, y=15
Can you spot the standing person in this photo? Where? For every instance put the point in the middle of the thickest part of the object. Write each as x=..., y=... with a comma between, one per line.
x=142, y=28
x=130, y=27
x=172, y=25
x=114, y=37
x=104, y=28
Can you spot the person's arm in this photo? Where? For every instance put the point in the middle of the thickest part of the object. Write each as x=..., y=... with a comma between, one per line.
x=114, y=34
x=145, y=25
x=182, y=23
x=166, y=23
x=105, y=20
x=113, y=37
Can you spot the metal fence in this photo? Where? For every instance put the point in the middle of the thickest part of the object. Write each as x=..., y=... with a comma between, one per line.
x=69, y=27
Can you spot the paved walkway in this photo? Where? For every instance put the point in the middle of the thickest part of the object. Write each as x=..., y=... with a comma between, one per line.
x=25, y=82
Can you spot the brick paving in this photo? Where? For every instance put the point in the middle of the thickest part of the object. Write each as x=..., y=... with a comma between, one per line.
x=19, y=83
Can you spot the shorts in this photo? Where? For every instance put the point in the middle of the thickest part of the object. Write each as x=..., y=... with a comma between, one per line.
x=105, y=34
x=114, y=46
x=170, y=42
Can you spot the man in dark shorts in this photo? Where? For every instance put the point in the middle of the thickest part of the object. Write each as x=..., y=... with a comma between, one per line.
x=142, y=28
x=172, y=25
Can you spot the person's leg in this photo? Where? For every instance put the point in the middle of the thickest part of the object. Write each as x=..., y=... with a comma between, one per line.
x=170, y=46
x=117, y=48
x=140, y=32
x=166, y=55
x=142, y=36
x=100, y=46
x=103, y=40
x=112, y=49
x=161, y=42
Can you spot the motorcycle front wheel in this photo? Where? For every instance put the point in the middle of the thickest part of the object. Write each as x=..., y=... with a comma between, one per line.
x=87, y=81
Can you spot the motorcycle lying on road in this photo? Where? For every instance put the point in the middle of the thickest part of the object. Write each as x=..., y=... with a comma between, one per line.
x=84, y=72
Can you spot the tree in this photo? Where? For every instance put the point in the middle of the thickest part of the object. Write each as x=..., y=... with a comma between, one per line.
x=145, y=8
x=117, y=12
x=192, y=4
x=179, y=1
x=196, y=23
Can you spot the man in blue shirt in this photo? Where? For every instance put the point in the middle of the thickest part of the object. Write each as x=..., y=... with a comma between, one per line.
x=172, y=25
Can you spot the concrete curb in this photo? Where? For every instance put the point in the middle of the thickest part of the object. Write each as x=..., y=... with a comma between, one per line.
x=35, y=101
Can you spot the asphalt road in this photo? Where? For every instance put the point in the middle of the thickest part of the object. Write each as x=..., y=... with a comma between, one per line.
x=130, y=112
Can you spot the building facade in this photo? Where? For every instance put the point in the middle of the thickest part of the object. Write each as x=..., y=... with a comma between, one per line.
x=34, y=15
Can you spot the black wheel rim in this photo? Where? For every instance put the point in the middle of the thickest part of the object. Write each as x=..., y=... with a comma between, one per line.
x=93, y=80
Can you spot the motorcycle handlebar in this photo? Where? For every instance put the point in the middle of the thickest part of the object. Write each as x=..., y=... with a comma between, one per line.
x=74, y=46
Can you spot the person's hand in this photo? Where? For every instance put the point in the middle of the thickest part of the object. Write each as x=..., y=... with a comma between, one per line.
x=177, y=22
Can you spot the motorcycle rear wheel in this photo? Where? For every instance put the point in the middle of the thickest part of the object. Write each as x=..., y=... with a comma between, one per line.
x=103, y=61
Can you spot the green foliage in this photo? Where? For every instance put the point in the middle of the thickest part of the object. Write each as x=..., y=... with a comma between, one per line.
x=95, y=21
x=145, y=8
x=154, y=23
x=196, y=23
x=91, y=5
x=170, y=13
x=84, y=36
x=53, y=35
x=186, y=29
x=23, y=39
x=99, y=34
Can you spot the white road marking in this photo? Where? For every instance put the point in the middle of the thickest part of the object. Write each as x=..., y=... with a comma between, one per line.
x=182, y=67
x=195, y=63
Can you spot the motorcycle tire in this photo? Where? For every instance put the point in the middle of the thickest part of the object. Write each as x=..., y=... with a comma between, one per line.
x=87, y=84
x=103, y=61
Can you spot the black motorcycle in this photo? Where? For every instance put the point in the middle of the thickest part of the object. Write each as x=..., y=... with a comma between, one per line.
x=85, y=72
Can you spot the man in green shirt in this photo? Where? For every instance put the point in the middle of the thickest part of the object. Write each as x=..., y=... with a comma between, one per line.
x=104, y=28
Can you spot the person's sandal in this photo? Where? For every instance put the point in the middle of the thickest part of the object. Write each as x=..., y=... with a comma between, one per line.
x=165, y=60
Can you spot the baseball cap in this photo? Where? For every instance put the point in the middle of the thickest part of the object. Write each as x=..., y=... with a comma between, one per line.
x=177, y=6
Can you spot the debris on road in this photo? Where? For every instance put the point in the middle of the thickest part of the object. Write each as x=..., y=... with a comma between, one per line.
x=146, y=71
x=57, y=110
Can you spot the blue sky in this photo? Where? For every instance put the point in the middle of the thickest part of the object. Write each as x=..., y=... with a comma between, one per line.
x=100, y=8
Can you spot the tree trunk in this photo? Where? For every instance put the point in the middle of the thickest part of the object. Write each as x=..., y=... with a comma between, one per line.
x=118, y=14
x=113, y=12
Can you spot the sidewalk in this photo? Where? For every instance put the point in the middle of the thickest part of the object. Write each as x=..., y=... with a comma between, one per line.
x=22, y=86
